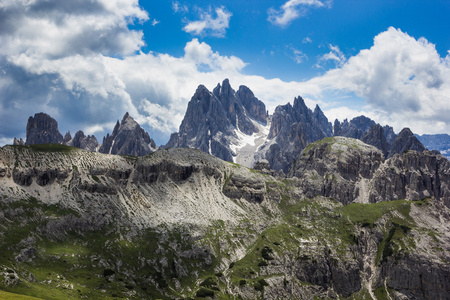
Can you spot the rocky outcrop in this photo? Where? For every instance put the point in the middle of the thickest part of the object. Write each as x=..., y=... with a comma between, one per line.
x=67, y=138
x=204, y=127
x=353, y=129
x=413, y=176
x=215, y=121
x=88, y=143
x=127, y=138
x=349, y=170
x=333, y=167
x=240, y=187
x=376, y=137
x=18, y=142
x=41, y=177
x=43, y=129
x=293, y=128
x=368, y=131
x=405, y=141
x=415, y=277
x=389, y=134
x=254, y=107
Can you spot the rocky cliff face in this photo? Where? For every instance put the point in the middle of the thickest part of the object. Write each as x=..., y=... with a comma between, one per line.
x=354, y=129
x=81, y=141
x=292, y=129
x=18, y=142
x=254, y=107
x=405, y=141
x=413, y=176
x=376, y=137
x=334, y=167
x=235, y=126
x=181, y=223
x=42, y=129
x=221, y=122
x=349, y=170
x=128, y=138
x=374, y=134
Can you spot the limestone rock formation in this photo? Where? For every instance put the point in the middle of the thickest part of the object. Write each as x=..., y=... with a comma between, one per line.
x=293, y=128
x=218, y=122
x=89, y=142
x=18, y=142
x=127, y=138
x=354, y=129
x=67, y=138
x=42, y=129
x=334, y=167
x=254, y=107
x=182, y=223
x=375, y=136
x=405, y=141
x=383, y=138
x=413, y=176
x=348, y=170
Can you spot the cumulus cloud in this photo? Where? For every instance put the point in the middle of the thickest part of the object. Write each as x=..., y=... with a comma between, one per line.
x=52, y=29
x=291, y=10
x=89, y=86
x=404, y=79
x=210, y=25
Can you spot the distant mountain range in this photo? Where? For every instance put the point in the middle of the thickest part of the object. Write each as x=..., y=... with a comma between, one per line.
x=439, y=142
x=127, y=138
x=348, y=210
x=235, y=126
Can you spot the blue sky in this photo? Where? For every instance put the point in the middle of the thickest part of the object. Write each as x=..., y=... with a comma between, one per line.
x=87, y=62
x=268, y=48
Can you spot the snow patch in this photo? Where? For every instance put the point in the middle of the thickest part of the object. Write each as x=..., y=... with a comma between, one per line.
x=245, y=146
x=112, y=145
x=210, y=152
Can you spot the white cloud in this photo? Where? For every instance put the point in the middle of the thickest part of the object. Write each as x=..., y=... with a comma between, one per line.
x=177, y=7
x=335, y=55
x=307, y=40
x=208, y=24
x=291, y=10
x=55, y=28
x=404, y=79
x=298, y=56
x=155, y=22
x=202, y=54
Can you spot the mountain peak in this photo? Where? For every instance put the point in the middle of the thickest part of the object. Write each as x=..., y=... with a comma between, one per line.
x=224, y=92
x=128, y=122
x=222, y=122
x=128, y=138
x=126, y=116
x=299, y=102
x=43, y=129
x=405, y=141
x=226, y=84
